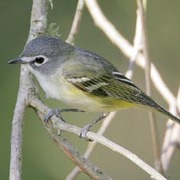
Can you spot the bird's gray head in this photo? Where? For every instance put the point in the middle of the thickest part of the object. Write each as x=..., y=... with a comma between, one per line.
x=44, y=53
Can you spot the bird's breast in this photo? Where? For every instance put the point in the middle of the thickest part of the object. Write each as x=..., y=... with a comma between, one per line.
x=58, y=88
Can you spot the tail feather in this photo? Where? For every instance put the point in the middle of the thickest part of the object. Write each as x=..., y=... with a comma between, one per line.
x=168, y=114
x=155, y=106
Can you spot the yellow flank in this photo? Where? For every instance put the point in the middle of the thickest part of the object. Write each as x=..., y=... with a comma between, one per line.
x=86, y=101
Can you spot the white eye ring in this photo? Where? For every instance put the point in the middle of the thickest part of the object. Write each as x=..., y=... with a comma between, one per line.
x=39, y=60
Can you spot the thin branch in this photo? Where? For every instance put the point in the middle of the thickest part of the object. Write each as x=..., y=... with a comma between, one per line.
x=57, y=126
x=76, y=22
x=101, y=131
x=38, y=22
x=38, y=26
x=71, y=38
x=153, y=123
x=117, y=39
x=170, y=143
x=178, y=102
x=38, y=10
x=145, y=48
x=26, y=91
x=73, y=33
x=16, y=133
x=171, y=138
x=137, y=47
x=92, y=145
x=107, y=121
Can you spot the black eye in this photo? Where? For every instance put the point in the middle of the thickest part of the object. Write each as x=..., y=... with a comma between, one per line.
x=39, y=60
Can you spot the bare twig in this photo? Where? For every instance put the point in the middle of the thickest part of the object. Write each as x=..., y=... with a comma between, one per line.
x=76, y=22
x=178, y=102
x=56, y=126
x=37, y=25
x=117, y=39
x=103, y=127
x=107, y=121
x=26, y=91
x=153, y=124
x=92, y=145
x=72, y=35
x=28, y=97
x=170, y=143
x=137, y=47
x=73, y=32
x=16, y=132
x=171, y=138
x=142, y=17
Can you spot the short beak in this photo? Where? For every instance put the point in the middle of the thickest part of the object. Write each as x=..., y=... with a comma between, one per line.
x=17, y=61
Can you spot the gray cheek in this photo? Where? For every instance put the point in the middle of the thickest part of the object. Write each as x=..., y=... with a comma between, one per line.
x=43, y=69
x=34, y=67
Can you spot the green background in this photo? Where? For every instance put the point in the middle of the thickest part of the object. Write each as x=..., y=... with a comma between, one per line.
x=42, y=159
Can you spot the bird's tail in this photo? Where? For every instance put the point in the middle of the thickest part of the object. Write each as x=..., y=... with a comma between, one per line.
x=155, y=106
x=168, y=114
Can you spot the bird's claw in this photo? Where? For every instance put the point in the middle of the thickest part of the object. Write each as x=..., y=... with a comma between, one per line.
x=83, y=132
x=57, y=113
x=53, y=112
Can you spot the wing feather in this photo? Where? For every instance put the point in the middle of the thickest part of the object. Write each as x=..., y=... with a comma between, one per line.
x=99, y=78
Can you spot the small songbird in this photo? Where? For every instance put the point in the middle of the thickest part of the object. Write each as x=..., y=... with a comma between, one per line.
x=82, y=79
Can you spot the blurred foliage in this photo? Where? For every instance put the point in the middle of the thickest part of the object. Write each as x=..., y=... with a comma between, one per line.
x=53, y=30
x=42, y=159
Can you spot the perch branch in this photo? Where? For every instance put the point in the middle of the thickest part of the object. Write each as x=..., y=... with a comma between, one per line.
x=92, y=145
x=38, y=10
x=57, y=126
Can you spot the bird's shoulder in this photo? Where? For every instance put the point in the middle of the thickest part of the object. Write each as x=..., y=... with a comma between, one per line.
x=82, y=62
x=92, y=73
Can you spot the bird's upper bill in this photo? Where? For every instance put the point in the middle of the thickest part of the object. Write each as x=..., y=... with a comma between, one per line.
x=18, y=60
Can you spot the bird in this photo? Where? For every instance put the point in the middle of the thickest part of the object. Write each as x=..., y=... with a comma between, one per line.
x=83, y=79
